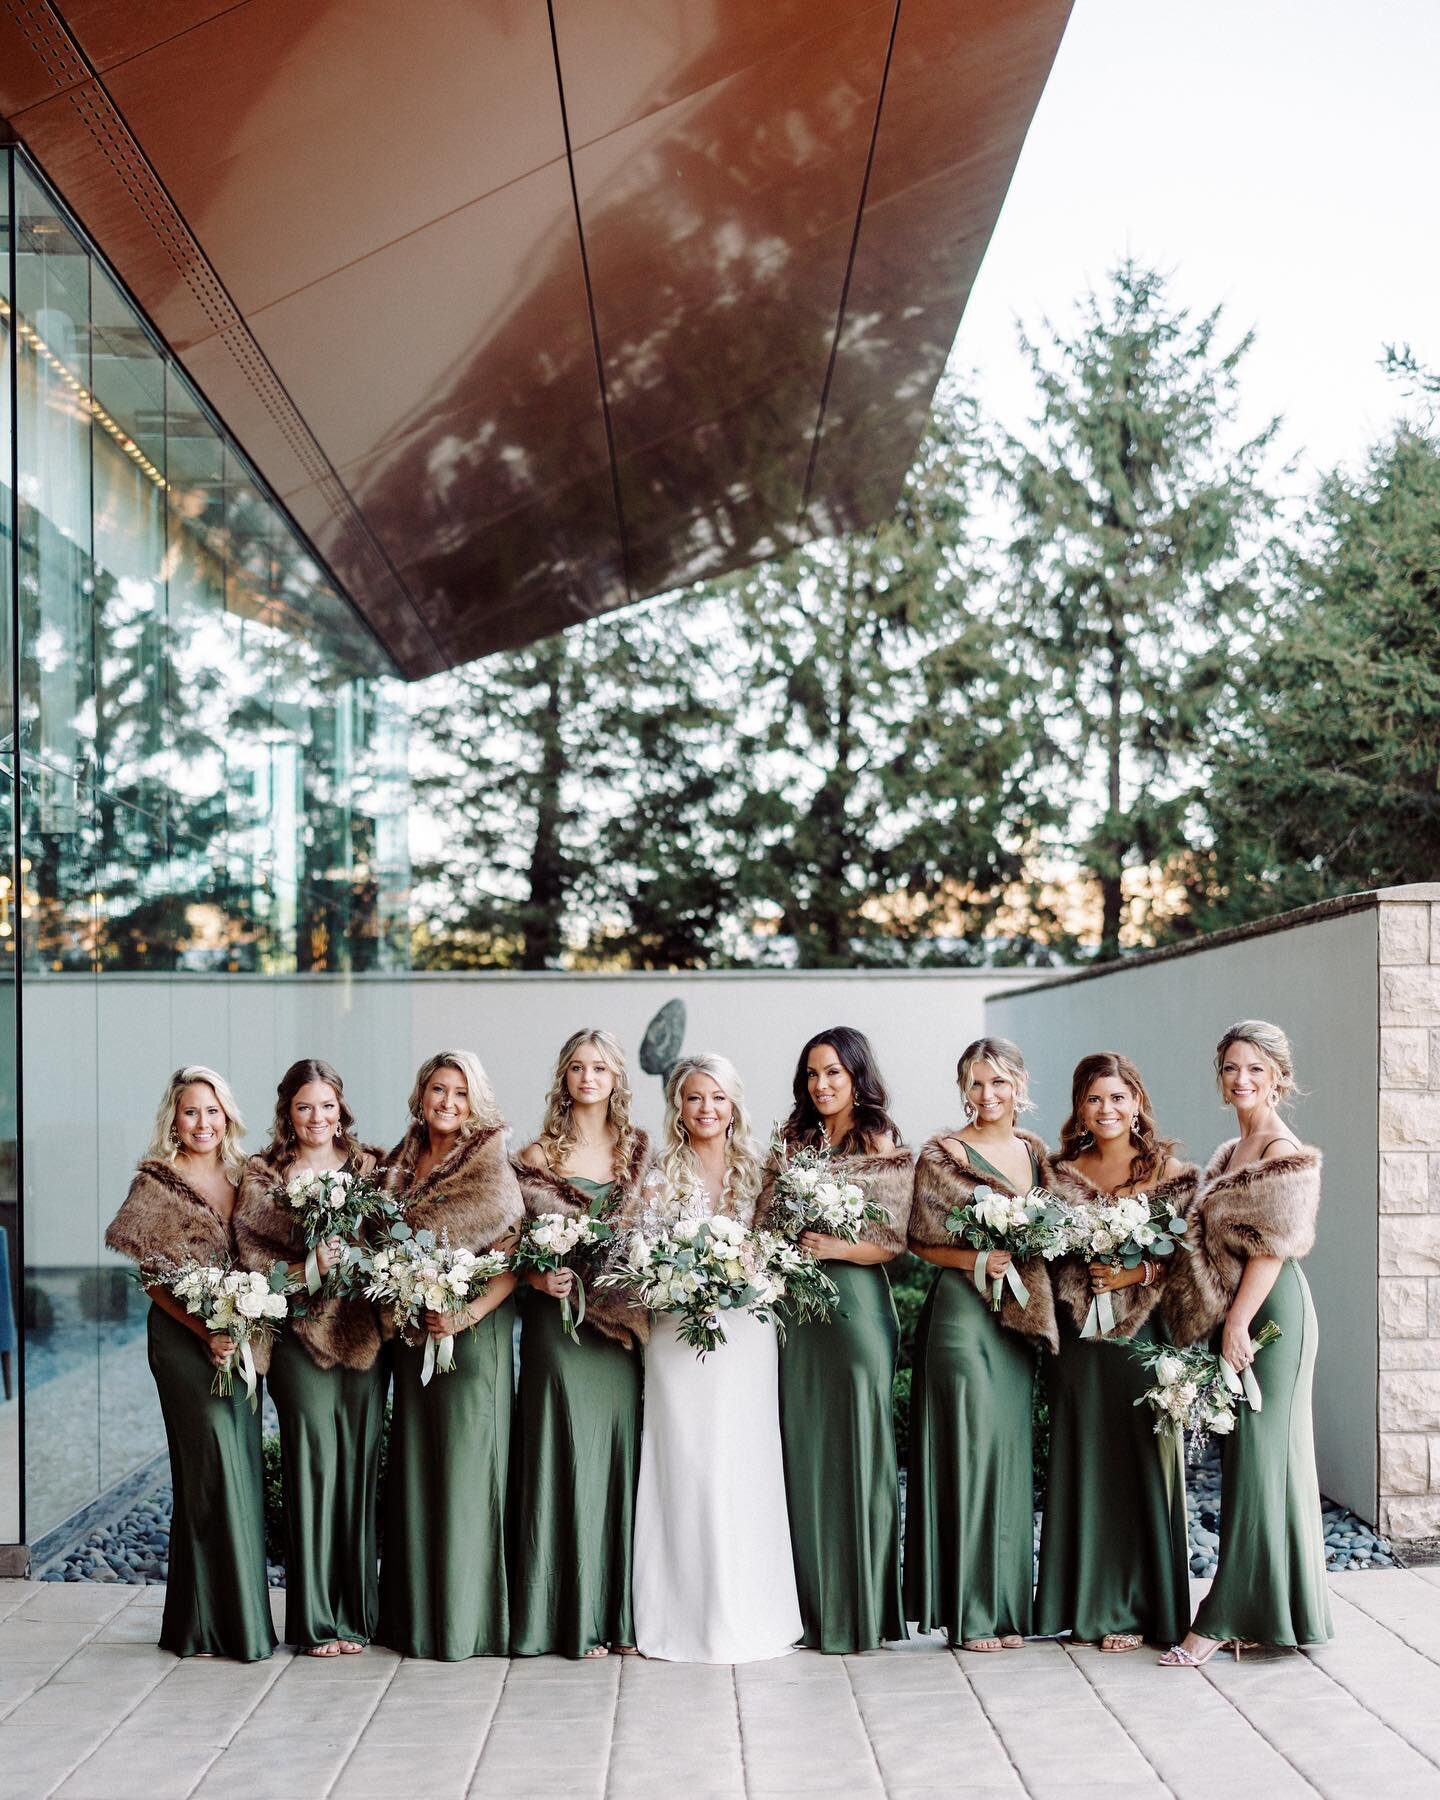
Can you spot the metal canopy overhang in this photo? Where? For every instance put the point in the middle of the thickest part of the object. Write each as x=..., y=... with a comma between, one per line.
x=528, y=312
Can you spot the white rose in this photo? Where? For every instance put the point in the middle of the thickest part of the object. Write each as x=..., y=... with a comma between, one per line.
x=1169, y=1370
x=301, y=1180
x=1144, y=1235
x=273, y=1306
x=341, y=1179
x=1221, y=1423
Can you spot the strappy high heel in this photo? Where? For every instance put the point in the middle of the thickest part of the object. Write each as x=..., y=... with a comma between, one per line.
x=1178, y=1657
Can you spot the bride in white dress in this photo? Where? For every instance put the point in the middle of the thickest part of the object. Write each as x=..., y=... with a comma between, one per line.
x=713, y=1577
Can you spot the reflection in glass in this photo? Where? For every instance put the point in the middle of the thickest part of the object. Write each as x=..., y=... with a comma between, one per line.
x=213, y=782
x=11, y=1286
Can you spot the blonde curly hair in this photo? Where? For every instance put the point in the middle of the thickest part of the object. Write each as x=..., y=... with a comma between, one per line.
x=165, y=1146
x=557, y=1132
x=1273, y=1047
x=484, y=1113
x=743, y=1172
x=1001, y=1054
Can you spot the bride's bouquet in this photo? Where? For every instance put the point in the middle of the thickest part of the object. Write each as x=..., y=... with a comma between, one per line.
x=335, y=1203
x=416, y=1273
x=1121, y=1231
x=1027, y=1225
x=1196, y=1391
x=698, y=1268
x=557, y=1241
x=811, y=1196
x=241, y=1304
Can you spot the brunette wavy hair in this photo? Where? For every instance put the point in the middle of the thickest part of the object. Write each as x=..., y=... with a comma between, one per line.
x=557, y=1133
x=283, y=1141
x=872, y=1099
x=1151, y=1152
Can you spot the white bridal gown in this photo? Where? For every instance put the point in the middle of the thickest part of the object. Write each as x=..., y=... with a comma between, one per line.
x=713, y=1577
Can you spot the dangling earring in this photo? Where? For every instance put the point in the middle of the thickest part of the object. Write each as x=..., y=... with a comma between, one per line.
x=1135, y=1130
x=729, y=1131
x=1086, y=1137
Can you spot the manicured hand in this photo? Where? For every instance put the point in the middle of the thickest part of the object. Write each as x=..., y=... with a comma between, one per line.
x=1235, y=1344
x=997, y=1262
x=824, y=1247
x=558, y=1283
x=441, y=1325
x=329, y=1255
x=220, y=1349
x=1105, y=1279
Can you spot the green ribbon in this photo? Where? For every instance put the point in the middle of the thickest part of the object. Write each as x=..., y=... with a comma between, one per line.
x=572, y=1318
x=1100, y=1320
x=313, y=1277
x=998, y=1283
x=1243, y=1383
x=439, y=1357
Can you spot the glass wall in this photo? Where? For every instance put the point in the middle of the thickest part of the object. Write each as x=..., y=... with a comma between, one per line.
x=11, y=1258
x=212, y=782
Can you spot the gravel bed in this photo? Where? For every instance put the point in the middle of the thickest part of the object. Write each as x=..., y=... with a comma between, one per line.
x=136, y=1547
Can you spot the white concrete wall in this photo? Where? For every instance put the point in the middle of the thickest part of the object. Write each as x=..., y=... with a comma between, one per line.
x=1318, y=979
x=98, y=1052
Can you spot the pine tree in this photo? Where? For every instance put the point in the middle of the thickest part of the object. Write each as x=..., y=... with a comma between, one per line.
x=1327, y=779
x=1130, y=562
x=882, y=744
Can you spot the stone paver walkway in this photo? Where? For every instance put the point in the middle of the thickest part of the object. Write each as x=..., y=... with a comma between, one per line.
x=91, y=1710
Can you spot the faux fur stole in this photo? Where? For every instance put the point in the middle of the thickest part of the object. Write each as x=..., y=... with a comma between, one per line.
x=941, y=1184
x=472, y=1194
x=1133, y=1305
x=888, y=1181
x=336, y=1333
x=163, y=1217
x=1264, y=1209
x=608, y=1309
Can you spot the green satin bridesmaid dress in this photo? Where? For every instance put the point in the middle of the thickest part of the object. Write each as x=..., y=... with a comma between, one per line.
x=331, y=1424
x=1270, y=1585
x=842, y=1484
x=1114, y=1552
x=577, y=1458
x=442, y=1577
x=970, y=1488
x=217, y=1602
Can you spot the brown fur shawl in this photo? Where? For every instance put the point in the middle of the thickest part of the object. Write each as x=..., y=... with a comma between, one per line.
x=472, y=1194
x=163, y=1218
x=609, y=1310
x=1264, y=1209
x=888, y=1180
x=941, y=1184
x=336, y=1333
x=1133, y=1305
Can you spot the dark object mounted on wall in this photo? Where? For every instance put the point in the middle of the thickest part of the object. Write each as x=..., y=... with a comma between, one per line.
x=660, y=1047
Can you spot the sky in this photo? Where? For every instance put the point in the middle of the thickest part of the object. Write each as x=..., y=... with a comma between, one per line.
x=1281, y=157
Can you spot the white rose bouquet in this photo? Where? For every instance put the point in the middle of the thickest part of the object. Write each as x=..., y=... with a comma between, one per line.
x=553, y=1241
x=415, y=1273
x=1197, y=1391
x=1027, y=1225
x=804, y=1291
x=698, y=1268
x=335, y=1203
x=241, y=1304
x=810, y=1195
x=1123, y=1231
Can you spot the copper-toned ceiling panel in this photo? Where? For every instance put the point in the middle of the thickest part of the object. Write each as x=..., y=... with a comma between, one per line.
x=497, y=402
x=962, y=90
x=298, y=136
x=628, y=58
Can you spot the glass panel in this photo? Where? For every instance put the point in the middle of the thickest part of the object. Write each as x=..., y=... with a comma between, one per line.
x=213, y=760
x=11, y=1273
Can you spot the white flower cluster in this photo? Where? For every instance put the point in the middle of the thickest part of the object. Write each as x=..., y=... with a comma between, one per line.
x=1189, y=1394
x=312, y=1189
x=698, y=1268
x=223, y=1297
x=812, y=1197
x=419, y=1274
x=559, y=1235
x=1121, y=1229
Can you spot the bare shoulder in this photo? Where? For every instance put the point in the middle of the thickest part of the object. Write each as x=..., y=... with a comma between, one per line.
x=1173, y=1170
x=1278, y=1147
x=884, y=1145
x=533, y=1157
x=958, y=1148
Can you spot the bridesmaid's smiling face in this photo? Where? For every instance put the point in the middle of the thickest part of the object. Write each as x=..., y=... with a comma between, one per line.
x=445, y=1103
x=828, y=1080
x=315, y=1114
x=1108, y=1109
x=705, y=1108
x=1247, y=1077
x=199, y=1120
x=589, y=1079
x=991, y=1094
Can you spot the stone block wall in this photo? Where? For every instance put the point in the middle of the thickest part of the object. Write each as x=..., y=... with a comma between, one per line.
x=1409, y=1224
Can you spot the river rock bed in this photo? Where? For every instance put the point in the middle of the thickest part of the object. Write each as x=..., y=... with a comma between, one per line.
x=136, y=1547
